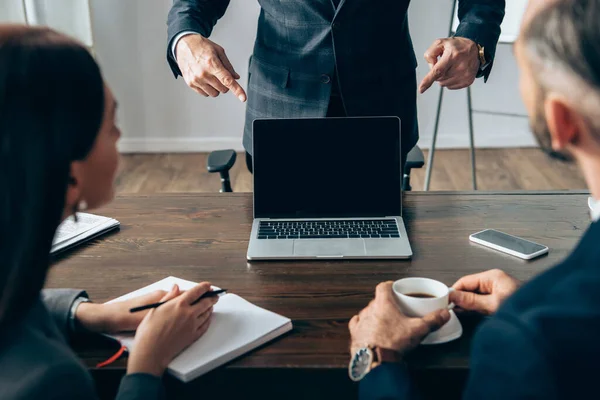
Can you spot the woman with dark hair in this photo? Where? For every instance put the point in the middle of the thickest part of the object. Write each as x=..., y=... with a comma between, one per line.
x=58, y=155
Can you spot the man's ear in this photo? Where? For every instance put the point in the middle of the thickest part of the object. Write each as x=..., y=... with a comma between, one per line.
x=563, y=122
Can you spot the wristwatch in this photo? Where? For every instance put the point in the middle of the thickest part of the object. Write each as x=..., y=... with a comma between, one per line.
x=363, y=360
x=483, y=62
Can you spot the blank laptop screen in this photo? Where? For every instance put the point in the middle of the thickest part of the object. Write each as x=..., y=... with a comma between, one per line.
x=327, y=168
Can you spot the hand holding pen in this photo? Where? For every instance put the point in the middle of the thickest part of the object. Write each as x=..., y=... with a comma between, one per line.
x=179, y=320
x=212, y=293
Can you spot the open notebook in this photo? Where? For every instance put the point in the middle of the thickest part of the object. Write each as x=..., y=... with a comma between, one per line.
x=237, y=328
x=87, y=227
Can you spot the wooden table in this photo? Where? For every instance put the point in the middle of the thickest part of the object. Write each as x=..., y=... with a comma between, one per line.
x=205, y=236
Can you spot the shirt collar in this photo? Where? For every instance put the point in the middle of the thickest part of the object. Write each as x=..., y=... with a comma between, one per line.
x=594, y=209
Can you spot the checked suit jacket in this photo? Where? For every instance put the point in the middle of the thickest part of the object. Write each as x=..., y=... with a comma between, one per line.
x=303, y=45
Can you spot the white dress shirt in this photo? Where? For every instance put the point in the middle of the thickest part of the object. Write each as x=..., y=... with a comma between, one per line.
x=594, y=208
x=176, y=40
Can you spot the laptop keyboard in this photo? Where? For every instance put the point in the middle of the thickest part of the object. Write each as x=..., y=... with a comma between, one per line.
x=335, y=229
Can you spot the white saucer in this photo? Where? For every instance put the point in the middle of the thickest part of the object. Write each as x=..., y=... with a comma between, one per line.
x=447, y=333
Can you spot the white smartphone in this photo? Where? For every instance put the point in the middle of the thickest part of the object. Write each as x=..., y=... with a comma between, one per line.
x=509, y=244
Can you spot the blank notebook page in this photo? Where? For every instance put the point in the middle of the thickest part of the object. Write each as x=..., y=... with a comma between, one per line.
x=237, y=327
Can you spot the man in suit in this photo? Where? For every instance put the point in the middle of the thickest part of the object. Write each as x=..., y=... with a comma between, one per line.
x=332, y=58
x=542, y=342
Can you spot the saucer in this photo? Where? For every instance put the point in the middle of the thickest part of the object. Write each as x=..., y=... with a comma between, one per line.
x=447, y=333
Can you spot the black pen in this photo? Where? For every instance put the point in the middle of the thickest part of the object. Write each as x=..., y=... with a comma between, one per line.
x=212, y=293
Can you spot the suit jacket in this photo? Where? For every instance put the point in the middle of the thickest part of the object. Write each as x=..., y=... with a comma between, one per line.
x=543, y=343
x=301, y=43
x=37, y=363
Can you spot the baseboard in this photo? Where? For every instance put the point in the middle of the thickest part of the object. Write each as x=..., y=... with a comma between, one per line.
x=461, y=141
x=201, y=145
x=179, y=145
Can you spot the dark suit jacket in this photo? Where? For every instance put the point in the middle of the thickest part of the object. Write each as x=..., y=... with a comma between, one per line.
x=300, y=43
x=543, y=343
x=36, y=361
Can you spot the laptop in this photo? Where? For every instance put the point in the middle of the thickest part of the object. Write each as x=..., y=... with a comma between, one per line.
x=327, y=188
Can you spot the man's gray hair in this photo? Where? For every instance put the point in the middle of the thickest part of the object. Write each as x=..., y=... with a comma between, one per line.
x=563, y=43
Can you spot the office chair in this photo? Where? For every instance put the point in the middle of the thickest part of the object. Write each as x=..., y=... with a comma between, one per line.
x=222, y=161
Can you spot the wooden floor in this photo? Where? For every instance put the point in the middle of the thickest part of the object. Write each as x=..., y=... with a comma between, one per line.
x=497, y=169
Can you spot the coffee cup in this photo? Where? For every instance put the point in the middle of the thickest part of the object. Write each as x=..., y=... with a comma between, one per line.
x=418, y=297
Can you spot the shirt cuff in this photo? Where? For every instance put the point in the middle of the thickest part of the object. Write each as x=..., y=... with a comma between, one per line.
x=176, y=40
x=73, y=311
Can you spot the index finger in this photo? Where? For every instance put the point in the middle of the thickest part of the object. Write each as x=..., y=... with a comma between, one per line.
x=229, y=82
x=471, y=283
x=384, y=297
x=384, y=291
x=436, y=73
x=227, y=63
x=193, y=294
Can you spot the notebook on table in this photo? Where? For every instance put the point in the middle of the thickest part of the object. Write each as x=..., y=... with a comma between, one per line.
x=237, y=327
x=88, y=226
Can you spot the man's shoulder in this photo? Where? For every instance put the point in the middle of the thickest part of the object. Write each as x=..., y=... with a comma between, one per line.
x=574, y=283
x=558, y=312
x=568, y=294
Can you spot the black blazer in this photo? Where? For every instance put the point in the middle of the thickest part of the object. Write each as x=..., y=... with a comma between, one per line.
x=299, y=44
x=543, y=343
x=36, y=361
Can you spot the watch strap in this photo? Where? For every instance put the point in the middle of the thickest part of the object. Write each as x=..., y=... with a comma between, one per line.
x=387, y=355
x=483, y=60
x=367, y=358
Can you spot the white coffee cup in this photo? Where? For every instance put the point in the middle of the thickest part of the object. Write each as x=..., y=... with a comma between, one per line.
x=421, y=306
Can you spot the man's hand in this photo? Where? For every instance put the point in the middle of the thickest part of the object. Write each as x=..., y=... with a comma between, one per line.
x=205, y=67
x=483, y=292
x=383, y=325
x=453, y=62
x=115, y=317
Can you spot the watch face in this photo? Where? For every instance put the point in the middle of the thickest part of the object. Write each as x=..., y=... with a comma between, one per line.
x=360, y=364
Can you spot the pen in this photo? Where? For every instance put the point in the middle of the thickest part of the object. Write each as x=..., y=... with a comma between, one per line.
x=212, y=293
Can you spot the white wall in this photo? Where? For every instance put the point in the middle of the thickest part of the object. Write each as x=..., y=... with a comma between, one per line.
x=11, y=11
x=159, y=113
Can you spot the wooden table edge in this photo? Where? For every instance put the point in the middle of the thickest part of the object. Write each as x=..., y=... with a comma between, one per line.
x=412, y=193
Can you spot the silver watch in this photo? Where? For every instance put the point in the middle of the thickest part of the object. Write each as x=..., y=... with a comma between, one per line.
x=360, y=365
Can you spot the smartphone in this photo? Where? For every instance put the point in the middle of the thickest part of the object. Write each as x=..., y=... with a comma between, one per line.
x=509, y=244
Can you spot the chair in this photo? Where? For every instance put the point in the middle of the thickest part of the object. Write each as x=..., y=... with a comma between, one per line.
x=222, y=161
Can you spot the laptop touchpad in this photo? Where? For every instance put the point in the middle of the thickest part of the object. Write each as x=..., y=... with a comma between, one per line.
x=329, y=247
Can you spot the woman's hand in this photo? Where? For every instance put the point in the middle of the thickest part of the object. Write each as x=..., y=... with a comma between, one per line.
x=115, y=317
x=167, y=330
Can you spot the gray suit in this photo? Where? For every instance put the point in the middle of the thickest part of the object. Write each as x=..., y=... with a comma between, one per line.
x=37, y=363
x=302, y=46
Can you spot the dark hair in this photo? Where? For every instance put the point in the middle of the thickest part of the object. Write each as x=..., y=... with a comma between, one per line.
x=566, y=35
x=51, y=110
